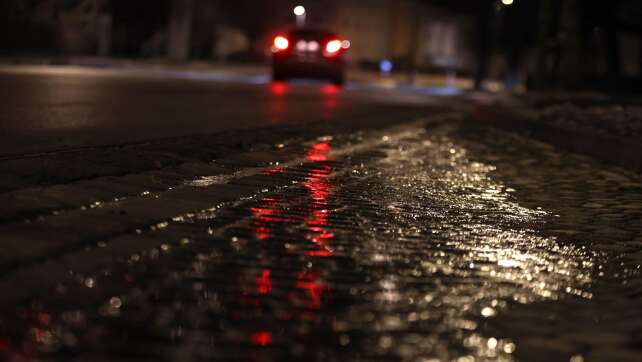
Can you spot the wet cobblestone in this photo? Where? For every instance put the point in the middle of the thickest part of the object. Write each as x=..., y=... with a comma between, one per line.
x=449, y=243
x=592, y=206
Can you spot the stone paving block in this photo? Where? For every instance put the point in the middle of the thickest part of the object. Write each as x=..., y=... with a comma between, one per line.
x=371, y=256
x=19, y=248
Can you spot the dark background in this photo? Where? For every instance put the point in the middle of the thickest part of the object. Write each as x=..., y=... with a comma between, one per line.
x=572, y=44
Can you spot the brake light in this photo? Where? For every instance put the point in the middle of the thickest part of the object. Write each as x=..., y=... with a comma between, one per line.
x=333, y=46
x=281, y=43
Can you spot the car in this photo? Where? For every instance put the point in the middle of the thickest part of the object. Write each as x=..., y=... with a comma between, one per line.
x=309, y=53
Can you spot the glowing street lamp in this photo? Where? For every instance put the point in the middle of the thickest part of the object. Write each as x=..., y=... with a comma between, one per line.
x=299, y=12
x=507, y=2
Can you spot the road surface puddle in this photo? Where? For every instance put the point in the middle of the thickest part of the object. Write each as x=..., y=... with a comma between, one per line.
x=399, y=251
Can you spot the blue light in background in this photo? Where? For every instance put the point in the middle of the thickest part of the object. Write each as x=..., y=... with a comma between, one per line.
x=385, y=66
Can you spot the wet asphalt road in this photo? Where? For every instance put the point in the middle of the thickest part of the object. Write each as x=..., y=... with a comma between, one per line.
x=438, y=240
x=53, y=108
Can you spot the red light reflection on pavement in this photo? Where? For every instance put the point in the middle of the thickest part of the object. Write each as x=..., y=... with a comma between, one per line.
x=318, y=185
x=310, y=290
x=255, y=286
x=319, y=152
x=274, y=170
x=278, y=88
x=316, y=290
x=264, y=214
x=263, y=282
x=330, y=100
x=319, y=253
x=4, y=345
x=320, y=188
x=276, y=101
x=261, y=338
x=330, y=89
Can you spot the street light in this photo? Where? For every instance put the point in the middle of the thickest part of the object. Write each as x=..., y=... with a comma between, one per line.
x=299, y=12
x=507, y=2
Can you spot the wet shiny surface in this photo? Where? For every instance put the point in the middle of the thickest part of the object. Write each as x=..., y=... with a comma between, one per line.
x=52, y=108
x=405, y=245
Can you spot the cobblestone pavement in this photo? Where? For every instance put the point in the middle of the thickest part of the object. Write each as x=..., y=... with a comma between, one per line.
x=446, y=242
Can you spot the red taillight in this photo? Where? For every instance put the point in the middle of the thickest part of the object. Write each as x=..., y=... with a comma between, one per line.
x=333, y=46
x=281, y=43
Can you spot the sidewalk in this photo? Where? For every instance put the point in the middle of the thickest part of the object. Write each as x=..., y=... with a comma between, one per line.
x=604, y=127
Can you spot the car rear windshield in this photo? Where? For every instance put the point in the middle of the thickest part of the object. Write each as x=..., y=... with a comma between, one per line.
x=319, y=35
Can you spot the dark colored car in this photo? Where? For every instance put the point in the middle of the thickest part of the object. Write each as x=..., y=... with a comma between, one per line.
x=309, y=53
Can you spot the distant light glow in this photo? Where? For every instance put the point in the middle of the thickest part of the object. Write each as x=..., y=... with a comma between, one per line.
x=281, y=43
x=385, y=66
x=333, y=46
x=313, y=46
x=299, y=10
x=507, y=2
x=345, y=44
